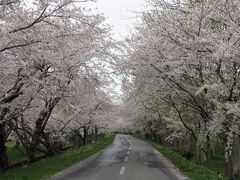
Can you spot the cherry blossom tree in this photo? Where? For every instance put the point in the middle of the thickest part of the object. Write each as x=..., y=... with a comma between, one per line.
x=43, y=49
x=183, y=59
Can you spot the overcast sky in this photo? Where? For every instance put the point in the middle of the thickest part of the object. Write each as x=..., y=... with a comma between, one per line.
x=119, y=14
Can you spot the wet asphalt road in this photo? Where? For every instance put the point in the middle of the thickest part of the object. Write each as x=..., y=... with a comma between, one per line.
x=126, y=159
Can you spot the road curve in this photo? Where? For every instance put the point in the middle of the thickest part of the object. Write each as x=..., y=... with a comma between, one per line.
x=127, y=158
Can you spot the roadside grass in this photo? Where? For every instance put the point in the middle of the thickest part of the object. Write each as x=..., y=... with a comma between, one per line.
x=191, y=169
x=15, y=154
x=18, y=153
x=43, y=169
x=218, y=163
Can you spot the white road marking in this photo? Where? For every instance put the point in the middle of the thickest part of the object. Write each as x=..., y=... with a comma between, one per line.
x=122, y=170
x=129, y=148
x=128, y=152
x=126, y=159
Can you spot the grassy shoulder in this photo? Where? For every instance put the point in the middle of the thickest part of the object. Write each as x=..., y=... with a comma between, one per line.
x=187, y=167
x=15, y=154
x=18, y=153
x=48, y=167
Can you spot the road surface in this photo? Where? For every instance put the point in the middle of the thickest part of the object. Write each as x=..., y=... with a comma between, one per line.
x=127, y=158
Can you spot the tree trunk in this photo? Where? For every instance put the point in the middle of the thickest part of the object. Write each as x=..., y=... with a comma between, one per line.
x=154, y=137
x=3, y=149
x=52, y=148
x=85, y=135
x=40, y=126
x=3, y=138
x=189, y=148
x=31, y=153
x=208, y=151
x=7, y=98
x=159, y=139
x=233, y=162
x=146, y=136
x=96, y=133
x=77, y=142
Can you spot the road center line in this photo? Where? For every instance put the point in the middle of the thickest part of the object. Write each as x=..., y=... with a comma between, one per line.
x=126, y=159
x=122, y=170
x=128, y=152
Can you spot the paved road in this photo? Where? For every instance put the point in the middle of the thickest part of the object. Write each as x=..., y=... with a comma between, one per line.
x=126, y=159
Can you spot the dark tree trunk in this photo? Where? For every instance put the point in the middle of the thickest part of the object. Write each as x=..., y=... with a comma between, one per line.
x=146, y=136
x=9, y=97
x=3, y=138
x=85, y=135
x=96, y=133
x=40, y=126
x=208, y=151
x=77, y=142
x=78, y=139
x=233, y=163
x=31, y=153
x=3, y=149
x=52, y=148
x=154, y=137
x=159, y=139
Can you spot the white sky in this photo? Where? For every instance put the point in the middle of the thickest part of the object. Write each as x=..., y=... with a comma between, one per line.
x=120, y=14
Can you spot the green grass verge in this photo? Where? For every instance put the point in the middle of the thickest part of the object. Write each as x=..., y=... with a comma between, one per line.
x=18, y=153
x=218, y=163
x=48, y=167
x=187, y=167
x=15, y=154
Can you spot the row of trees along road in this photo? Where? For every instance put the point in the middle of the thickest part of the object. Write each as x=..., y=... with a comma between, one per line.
x=51, y=57
x=182, y=67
